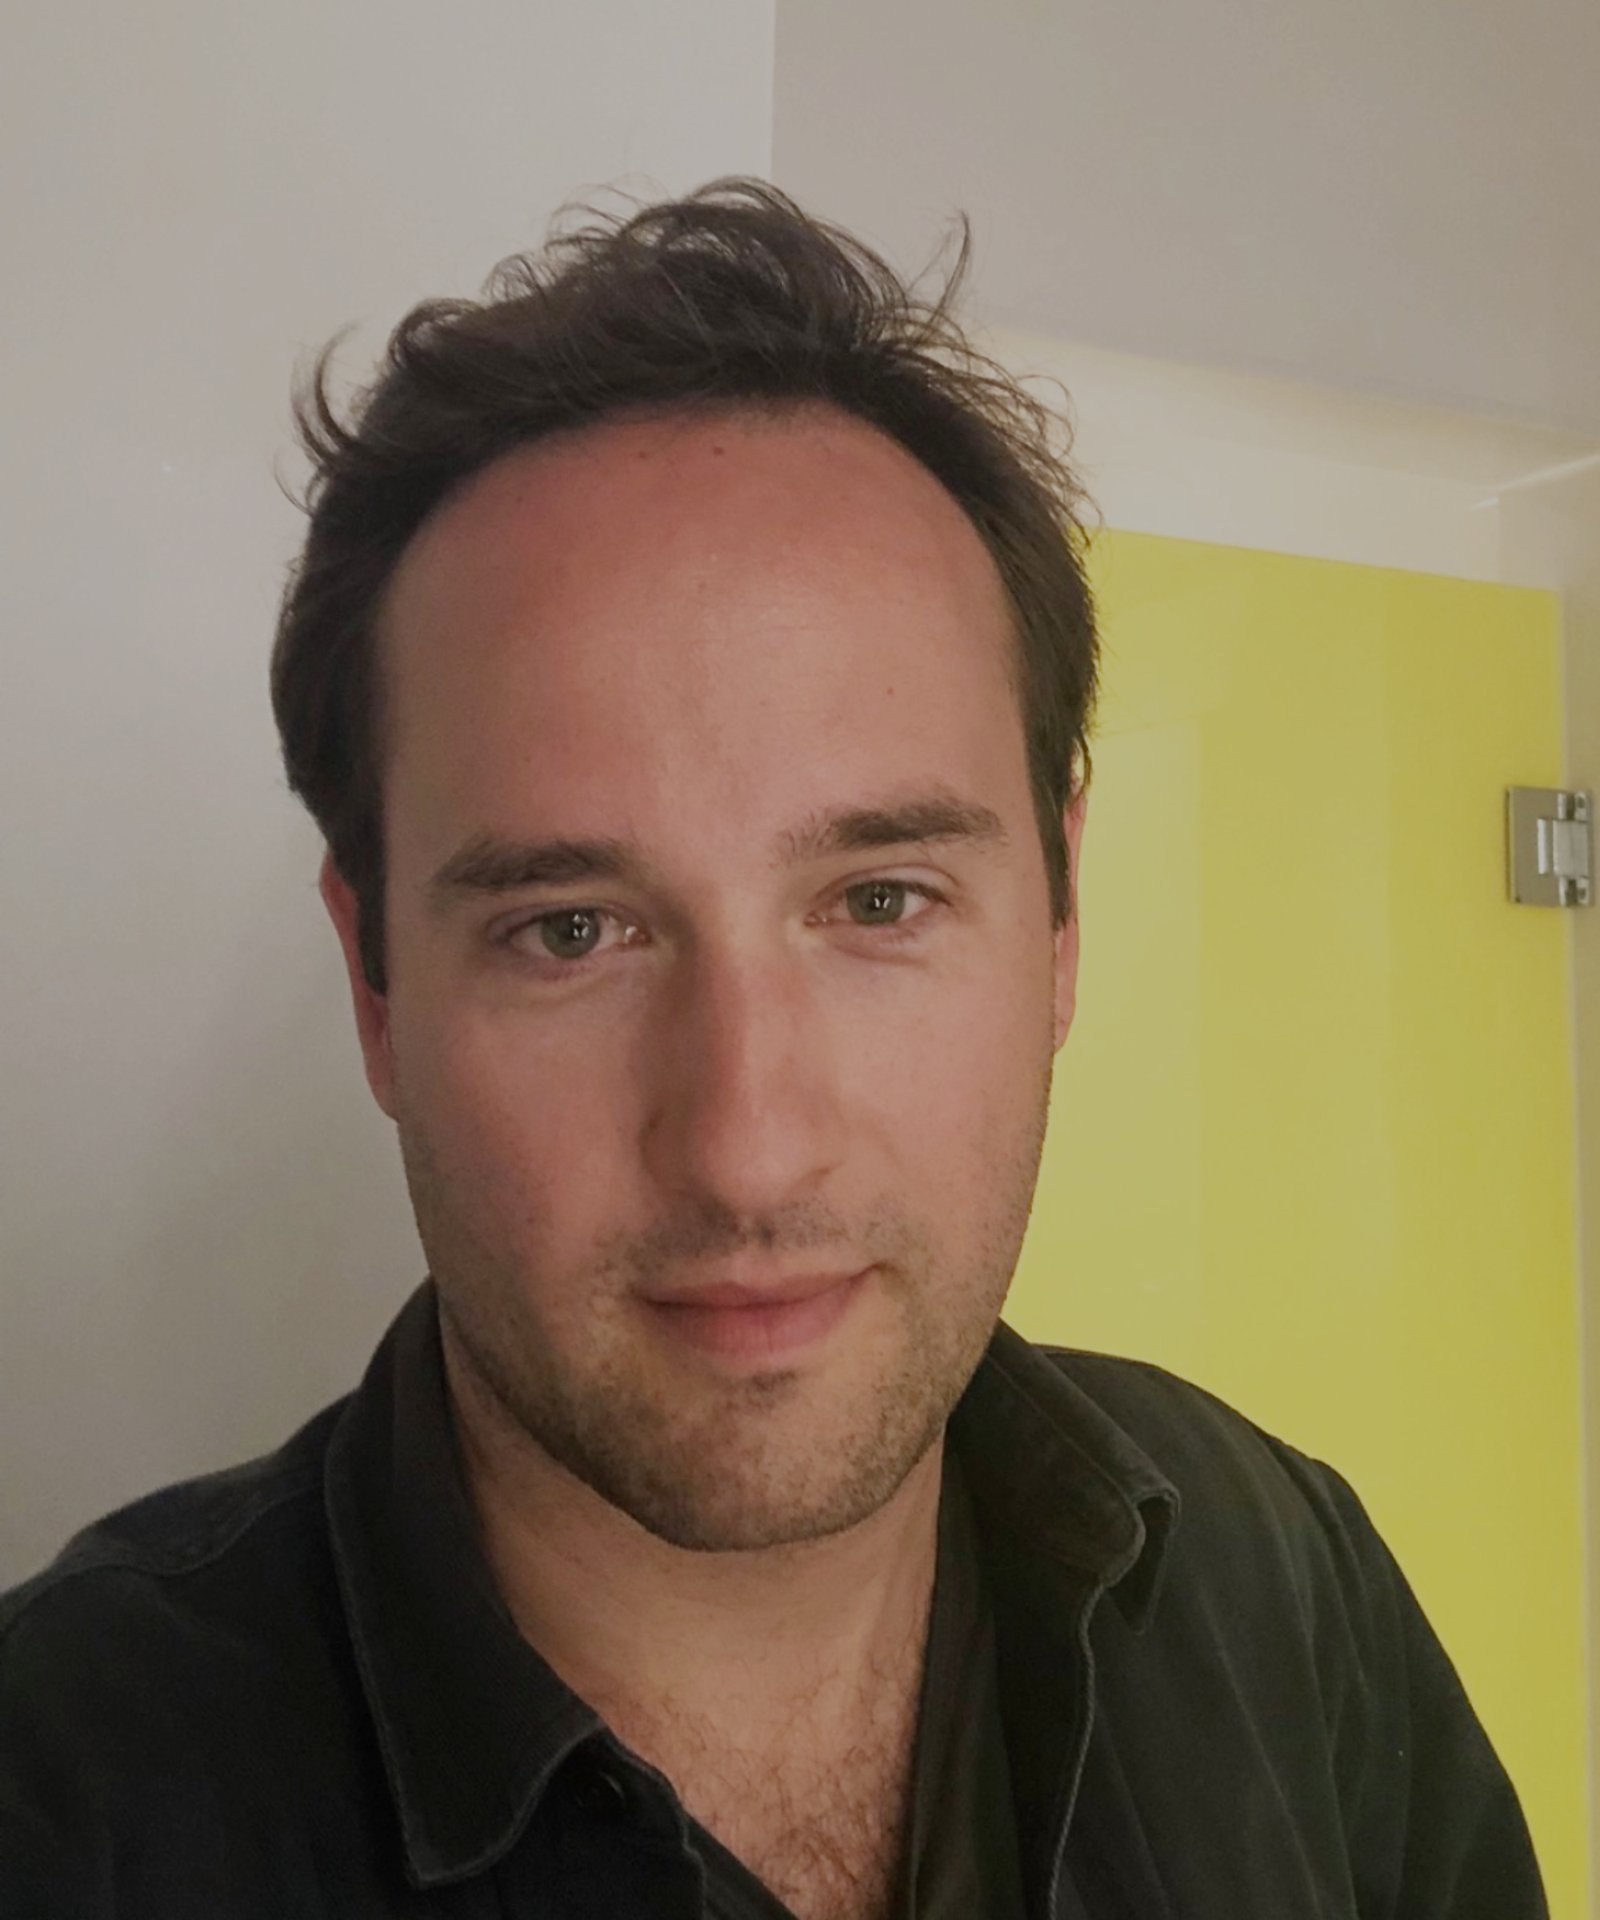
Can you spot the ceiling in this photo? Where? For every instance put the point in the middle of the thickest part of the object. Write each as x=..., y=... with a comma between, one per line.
x=1397, y=197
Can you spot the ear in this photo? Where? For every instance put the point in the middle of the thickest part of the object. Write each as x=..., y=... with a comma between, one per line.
x=371, y=1009
x=1066, y=939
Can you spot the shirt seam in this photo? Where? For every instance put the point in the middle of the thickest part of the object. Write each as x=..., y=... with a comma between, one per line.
x=128, y=1557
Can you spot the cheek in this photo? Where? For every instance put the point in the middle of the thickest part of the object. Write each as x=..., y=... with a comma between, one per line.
x=513, y=1121
x=939, y=1081
x=981, y=1091
x=956, y=1092
x=1000, y=1072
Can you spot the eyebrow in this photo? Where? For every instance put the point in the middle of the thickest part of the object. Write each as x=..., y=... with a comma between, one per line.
x=489, y=864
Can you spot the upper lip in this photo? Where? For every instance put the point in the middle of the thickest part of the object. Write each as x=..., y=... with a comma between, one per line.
x=751, y=1292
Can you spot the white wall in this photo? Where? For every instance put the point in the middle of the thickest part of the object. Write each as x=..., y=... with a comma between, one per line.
x=1381, y=195
x=1261, y=462
x=202, y=1223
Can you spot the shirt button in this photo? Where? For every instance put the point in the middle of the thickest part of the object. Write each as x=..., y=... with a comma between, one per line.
x=600, y=1794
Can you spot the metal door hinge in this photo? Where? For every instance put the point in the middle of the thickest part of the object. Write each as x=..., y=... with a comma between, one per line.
x=1549, y=847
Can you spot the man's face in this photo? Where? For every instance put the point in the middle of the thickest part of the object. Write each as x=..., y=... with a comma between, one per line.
x=697, y=636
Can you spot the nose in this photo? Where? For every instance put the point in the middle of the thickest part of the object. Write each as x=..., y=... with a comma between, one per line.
x=744, y=1106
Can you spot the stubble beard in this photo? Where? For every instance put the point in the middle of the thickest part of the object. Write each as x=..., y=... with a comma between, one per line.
x=721, y=1465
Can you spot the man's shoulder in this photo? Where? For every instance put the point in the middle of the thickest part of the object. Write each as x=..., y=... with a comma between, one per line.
x=187, y=1651
x=1164, y=1412
x=163, y=1573
x=1245, y=1495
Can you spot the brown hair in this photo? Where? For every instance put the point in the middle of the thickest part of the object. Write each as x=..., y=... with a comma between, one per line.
x=730, y=296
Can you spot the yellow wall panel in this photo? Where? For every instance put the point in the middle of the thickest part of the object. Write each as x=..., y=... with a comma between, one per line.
x=1311, y=1136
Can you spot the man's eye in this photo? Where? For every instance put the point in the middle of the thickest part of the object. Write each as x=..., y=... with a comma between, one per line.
x=876, y=889
x=567, y=936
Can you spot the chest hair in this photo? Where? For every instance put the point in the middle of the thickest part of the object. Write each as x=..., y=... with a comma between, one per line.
x=823, y=1822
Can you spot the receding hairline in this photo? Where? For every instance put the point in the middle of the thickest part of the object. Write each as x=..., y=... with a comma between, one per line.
x=811, y=416
x=807, y=413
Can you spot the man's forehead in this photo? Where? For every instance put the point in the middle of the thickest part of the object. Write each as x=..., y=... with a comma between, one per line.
x=755, y=618
x=649, y=488
x=638, y=440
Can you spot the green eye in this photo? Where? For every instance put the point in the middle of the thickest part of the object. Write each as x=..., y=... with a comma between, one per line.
x=560, y=928
x=880, y=887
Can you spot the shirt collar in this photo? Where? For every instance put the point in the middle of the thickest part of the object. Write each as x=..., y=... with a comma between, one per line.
x=1051, y=1470
x=473, y=1723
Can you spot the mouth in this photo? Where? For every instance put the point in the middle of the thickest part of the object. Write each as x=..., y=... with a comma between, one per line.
x=741, y=1324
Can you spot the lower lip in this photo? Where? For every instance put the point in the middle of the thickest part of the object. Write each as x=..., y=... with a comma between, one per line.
x=763, y=1332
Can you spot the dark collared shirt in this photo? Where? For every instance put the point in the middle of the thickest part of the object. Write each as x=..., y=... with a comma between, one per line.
x=292, y=1688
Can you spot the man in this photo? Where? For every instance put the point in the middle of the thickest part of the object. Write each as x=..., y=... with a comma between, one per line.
x=690, y=667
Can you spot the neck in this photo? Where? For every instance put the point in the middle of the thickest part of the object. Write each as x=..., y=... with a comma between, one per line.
x=741, y=1648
